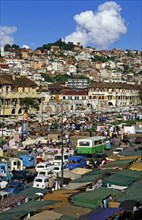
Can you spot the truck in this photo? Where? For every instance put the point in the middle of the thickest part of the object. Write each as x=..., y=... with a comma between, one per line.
x=28, y=161
x=10, y=164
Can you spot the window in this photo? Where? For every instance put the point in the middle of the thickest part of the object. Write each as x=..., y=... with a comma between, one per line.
x=39, y=180
x=40, y=166
x=57, y=158
x=109, y=97
x=84, y=143
x=72, y=162
x=26, y=89
x=76, y=97
x=7, y=88
x=56, y=168
x=98, y=142
x=42, y=173
x=20, y=89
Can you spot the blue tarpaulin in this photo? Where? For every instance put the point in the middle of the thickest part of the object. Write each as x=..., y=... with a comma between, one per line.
x=100, y=214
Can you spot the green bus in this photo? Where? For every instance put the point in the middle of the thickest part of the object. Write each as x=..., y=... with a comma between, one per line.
x=92, y=145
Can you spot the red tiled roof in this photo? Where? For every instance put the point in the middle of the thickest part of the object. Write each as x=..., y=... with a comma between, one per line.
x=4, y=66
x=74, y=92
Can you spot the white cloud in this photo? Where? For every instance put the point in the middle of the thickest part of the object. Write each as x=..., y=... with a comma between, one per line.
x=99, y=29
x=25, y=46
x=5, y=35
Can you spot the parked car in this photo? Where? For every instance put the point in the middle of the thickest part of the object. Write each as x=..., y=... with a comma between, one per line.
x=76, y=161
x=42, y=165
x=138, y=140
x=41, y=182
x=56, y=169
x=46, y=172
x=15, y=187
x=138, y=143
x=125, y=143
x=98, y=158
x=118, y=150
x=57, y=159
x=23, y=175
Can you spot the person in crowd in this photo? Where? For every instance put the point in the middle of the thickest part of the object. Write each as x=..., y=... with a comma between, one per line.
x=9, y=176
x=51, y=184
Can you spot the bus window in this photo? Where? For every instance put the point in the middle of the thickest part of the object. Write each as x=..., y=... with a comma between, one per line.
x=84, y=143
x=98, y=142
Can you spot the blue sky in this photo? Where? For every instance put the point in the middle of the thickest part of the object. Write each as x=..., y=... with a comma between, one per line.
x=36, y=23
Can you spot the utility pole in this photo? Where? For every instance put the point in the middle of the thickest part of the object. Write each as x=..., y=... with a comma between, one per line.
x=3, y=126
x=91, y=110
x=42, y=110
x=62, y=145
x=2, y=110
x=62, y=149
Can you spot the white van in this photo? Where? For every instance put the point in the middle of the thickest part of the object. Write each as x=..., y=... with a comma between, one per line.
x=56, y=169
x=42, y=165
x=41, y=182
x=57, y=159
x=46, y=172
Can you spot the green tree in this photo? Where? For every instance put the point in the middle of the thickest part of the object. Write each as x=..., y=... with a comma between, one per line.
x=61, y=78
x=60, y=43
x=98, y=58
x=7, y=47
x=15, y=46
x=47, y=77
x=28, y=104
x=126, y=68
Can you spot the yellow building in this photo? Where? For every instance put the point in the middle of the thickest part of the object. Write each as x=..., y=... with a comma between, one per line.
x=12, y=89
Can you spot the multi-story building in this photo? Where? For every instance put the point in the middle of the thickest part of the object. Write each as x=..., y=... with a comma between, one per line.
x=75, y=98
x=103, y=95
x=50, y=97
x=12, y=89
x=77, y=83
